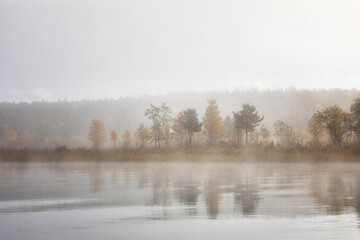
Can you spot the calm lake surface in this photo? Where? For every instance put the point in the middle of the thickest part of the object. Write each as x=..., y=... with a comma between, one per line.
x=179, y=200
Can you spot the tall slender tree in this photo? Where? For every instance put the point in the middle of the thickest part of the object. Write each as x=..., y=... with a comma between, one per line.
x=114, y=137
x=178, y=129
x=127, y=140
x=238, y=127
x=230, y=129
x=97, y=134
x=355, y=113
x=191, y=123
x=213, y=123
x=153, y=113
x=161, y=118
x=249, y=119
x=315, y=128
x=143, y=134
x=284, y=132
x=165, y=122
x=264, y=134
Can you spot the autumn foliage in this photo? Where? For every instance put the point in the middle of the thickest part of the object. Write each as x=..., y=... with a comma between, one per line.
x=97, y=134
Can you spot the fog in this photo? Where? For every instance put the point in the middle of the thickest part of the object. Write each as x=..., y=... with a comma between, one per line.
x=68, y=122
x=179, y=119
x=75, y=50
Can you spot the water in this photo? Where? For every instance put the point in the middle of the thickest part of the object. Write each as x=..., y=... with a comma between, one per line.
x=179, y=200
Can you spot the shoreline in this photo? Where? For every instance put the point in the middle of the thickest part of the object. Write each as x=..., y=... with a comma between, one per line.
x=201, y=155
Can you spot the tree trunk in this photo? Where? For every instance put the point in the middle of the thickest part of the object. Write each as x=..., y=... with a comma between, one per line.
x=246, y=132
x=190, y=138
x=238, y=139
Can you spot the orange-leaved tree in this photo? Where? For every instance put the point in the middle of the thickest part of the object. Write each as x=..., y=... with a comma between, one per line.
x=114, y=137
x=97, y=134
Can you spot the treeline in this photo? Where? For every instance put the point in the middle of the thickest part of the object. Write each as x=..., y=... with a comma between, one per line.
x=338, y=127
x=282, y=116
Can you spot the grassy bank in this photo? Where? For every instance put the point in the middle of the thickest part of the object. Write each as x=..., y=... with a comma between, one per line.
x=193, y=154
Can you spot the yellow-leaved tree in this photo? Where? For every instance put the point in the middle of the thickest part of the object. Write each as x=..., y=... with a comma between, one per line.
x=213, y=123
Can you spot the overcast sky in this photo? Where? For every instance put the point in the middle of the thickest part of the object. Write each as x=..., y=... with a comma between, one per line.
x=75, y=49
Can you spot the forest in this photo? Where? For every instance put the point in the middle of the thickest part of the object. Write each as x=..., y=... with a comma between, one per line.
x=287, y=118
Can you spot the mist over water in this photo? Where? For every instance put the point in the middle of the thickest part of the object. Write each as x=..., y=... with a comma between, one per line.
x=160, y=200
x=179, y=119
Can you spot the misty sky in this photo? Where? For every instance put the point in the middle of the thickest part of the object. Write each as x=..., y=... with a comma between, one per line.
x=75, y=49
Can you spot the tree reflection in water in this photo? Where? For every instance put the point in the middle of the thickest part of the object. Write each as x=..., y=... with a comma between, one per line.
x=246, y=198
x=183, y=190
x=212, y=195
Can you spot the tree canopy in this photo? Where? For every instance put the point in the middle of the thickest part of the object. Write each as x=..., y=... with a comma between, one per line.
x=97, y=134
x=337, y=122
x=161, y=119
x=284, y=132
x=213, y=123
x=315, y=128
x=114, y=137
x=247, y=119
x=191, y=123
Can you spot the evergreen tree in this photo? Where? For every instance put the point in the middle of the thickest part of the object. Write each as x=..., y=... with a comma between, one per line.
x=237, y=127
x=178, y=129
x=249, y=119
x=191, y=123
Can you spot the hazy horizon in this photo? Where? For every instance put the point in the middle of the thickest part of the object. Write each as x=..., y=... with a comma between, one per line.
x=184, y=93
x=52, y=50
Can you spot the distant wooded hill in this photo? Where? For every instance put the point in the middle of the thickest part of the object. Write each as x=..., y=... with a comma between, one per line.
x=55, y=123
